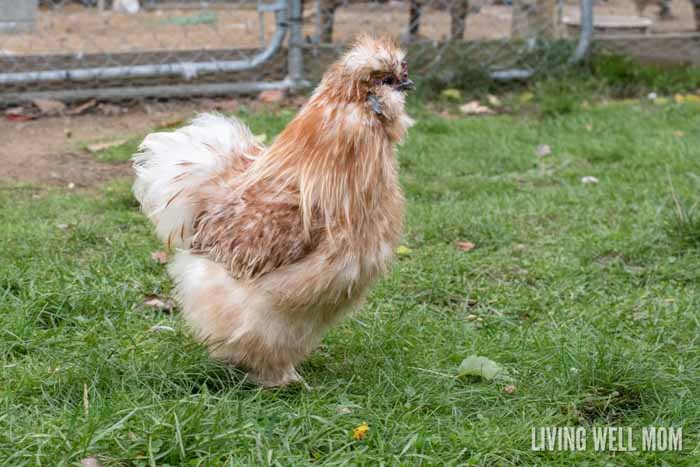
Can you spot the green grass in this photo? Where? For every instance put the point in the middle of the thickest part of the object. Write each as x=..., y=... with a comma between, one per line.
x=587, y=294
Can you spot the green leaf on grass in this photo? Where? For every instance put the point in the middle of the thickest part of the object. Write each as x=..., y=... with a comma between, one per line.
x=481, y=367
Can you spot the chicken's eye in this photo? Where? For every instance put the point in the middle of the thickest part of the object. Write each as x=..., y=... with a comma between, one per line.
x=389, y=80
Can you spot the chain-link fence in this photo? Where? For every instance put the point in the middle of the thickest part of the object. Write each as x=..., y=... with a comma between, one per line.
x=79, y=49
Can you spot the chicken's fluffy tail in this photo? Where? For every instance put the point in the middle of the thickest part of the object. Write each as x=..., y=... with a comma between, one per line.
x=172, y=167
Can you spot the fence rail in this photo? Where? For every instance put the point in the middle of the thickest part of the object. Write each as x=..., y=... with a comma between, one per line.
x=78, y=49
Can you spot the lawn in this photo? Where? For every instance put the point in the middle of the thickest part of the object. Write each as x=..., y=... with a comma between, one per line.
x=586, y=294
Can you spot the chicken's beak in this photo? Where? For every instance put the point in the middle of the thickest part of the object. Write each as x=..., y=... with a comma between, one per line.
x=406, y=85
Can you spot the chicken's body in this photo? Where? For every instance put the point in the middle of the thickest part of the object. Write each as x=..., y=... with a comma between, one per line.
x=276, y=244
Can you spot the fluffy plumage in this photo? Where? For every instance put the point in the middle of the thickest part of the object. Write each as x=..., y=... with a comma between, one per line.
x=276, y=244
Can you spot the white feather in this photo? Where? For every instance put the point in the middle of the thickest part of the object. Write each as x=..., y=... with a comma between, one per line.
x=171, y=167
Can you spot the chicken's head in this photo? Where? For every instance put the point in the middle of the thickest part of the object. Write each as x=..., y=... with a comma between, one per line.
x=373, y=73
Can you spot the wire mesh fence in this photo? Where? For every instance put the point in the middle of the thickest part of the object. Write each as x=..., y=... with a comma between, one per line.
x=79, y=49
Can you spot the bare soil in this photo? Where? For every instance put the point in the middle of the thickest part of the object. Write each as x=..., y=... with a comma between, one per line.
x=48, y=150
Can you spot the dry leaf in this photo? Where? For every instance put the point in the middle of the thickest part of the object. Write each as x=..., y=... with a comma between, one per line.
x=271, y=95
x=161, y=328
x=154, y=301
x=77, y=110
x=159, y=257
x=359, y=432
x=342, y=410
x=465, y=246
x=494, y=101
x=97, y=147
x=453, y=94
x=543, y=150
x=475, y=108
x=589, y=180
x=49, y=106
x=19, y=114
x=678, y=134
x=471, y=317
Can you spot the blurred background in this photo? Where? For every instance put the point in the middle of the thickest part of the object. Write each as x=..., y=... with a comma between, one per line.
x=75, y=50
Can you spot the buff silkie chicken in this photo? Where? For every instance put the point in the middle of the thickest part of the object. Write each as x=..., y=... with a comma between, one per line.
x=274, y=245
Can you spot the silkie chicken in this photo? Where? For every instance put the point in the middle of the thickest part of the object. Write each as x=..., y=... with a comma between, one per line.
x=274, y=245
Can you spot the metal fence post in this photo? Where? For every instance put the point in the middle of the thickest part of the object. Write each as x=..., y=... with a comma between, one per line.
x=296, y=56
x=586, y=35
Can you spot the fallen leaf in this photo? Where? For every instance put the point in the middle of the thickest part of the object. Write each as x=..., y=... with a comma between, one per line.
x=509, y=389
x=359, y=432
x=161, y=328
x=154, y=301
x=49, y=106
x=271, y=95
x=465, y=246
x=471, y=317
x=19, y=114
x=494, y=101
x=97, y=147
x=526, y=97
x=403, y=250
x=159, y=257
x=79, y=109
x=678, y=134
x=475, y=108
x=90, y=462
x=171, y=122
x=453, y=94
x=342, y=410
x=481, y=367
x=589, y=180
x=543, y=150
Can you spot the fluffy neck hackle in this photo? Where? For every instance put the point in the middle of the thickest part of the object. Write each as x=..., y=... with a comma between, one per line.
x=337, y=154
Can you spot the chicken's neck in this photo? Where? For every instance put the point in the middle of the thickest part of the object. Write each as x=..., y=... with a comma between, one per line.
x=340, y=158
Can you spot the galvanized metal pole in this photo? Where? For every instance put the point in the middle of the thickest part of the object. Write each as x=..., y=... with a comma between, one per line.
x=296, y=43
x=586, y=36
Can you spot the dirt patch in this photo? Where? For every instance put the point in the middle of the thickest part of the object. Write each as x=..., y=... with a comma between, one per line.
x=48, y=150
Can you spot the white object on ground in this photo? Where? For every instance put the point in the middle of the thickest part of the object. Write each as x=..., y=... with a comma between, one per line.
x=126, y=6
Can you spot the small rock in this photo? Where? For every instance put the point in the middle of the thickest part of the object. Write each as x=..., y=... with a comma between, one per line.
x=271, y=95
x=71, y=185
x=589, y=180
